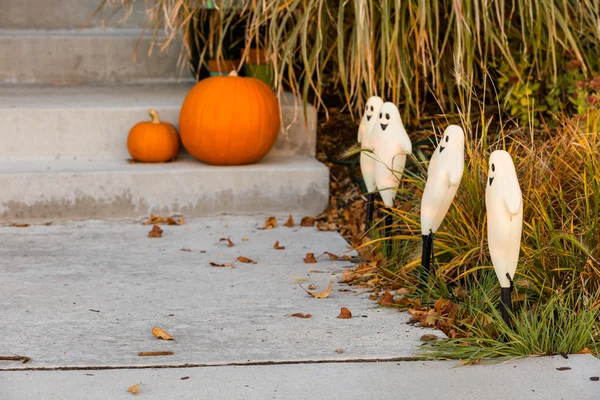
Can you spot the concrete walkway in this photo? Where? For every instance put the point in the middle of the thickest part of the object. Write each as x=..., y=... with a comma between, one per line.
x=85, y=296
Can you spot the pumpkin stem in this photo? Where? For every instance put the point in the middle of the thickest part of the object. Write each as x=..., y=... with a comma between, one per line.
x=154, y=116
x=233, y=73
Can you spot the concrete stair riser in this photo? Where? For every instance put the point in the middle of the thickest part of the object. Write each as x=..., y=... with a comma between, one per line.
x=66, y=14
x=85, y=56
x=90, y=122
x=66, y=190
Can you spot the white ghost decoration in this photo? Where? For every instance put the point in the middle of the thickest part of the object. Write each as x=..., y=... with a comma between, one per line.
x=443, y=177
x=391, y=145
x=504, y=206
x=367, y=159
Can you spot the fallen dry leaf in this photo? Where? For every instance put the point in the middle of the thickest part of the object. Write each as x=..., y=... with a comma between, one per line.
x=345, y=313
x=228, y=240
x=585, y=351
x=308, y=221
x=134, y=389
x=270, y=223
x=336, y=257
x=244, y=239
x=310, y=258
x=17, y=225
x=326, y=226
x=156, y=232
x=375, y=294
x=387, y=299
x=276, y=246
x=246, y=260
x=563, y=368
x=595, y=378
x=213, y=264
x=348, y=276
x=159, y=333
x=290, y=222
x=186, y=249
x=428, y=337
x=300, y=315
x=157, y=220
x=320, y=295
x=155, y=353
x=339, y=351
x=312, y=287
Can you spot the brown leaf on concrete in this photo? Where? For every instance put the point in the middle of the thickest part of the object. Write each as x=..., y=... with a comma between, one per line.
x=156, y=232
x=17, y=225
x=308, y=221
x=228, y=240
x=326, y=226
x=155, y=353
x=428, y=337
x=186, y=249
x=300, y=315
x=375, y=294
x=336, y=257
x=159, y=333
x=563, y=368
x=134, y=389
x=246, y=260
x=585, y=351
x=16, y=358
x=310, y=258
x=157, y=220
x=320, y=295
x=290, y=222
x=276, y=246
x=387, y=298
x=312, y=287
x=244, y=239
x=339, y=351
x=345, y=313
x=348, y=276
x=213, y=264
x=270, y=223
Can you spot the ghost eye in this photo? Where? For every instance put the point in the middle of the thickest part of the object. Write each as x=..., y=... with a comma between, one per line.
x=493, y=168
x=447, y=138
x=371, y=108
x=387, y=116
x=380, y=115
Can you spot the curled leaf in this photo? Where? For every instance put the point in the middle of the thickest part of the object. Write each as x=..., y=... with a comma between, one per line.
x=157, y=220
x=228, y=240
x=18, y=225
x=134, y=389
x=345, y=313
x=290, y=222
x=156, y=232
x=300, y=315
x=310, y=258
x=308, y=221
x=213, y=264
x=160, y=333
x=246, y=260
x=276, y=246
x=336, y=257
x=387, y=299
x=320, y=295
x=270, y=223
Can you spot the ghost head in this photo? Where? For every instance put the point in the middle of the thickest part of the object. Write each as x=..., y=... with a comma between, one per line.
x=450, y=153
x=502, y=181
x=390, y=122
x=369, y=119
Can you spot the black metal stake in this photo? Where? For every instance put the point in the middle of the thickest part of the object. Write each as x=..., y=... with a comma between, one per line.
x=506, y=300
x=505, y=303
x=427, y=251
x=370, y=209
x=388, y=225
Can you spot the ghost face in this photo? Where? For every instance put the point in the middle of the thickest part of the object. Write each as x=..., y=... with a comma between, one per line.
x=388, y=114
x=372, y=107
x=454, y=138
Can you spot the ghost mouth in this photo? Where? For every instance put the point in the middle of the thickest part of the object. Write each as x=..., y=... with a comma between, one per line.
x=383, y=126
x=441, y=148
x=369, y=117
x=491, y=180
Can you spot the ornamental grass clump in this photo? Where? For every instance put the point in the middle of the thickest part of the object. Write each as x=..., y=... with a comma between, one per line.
x=408, y=52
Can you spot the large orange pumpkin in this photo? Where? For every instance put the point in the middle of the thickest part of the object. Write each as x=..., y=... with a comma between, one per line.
x=154, y=141
x=229, y=120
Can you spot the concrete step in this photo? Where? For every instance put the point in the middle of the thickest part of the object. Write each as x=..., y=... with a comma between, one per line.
x=66, y=14
x=108, y=189
x=92, y=122
x=89, y=55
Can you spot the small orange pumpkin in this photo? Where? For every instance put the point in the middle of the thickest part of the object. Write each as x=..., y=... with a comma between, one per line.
x=154, y=141
x=229, y=120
